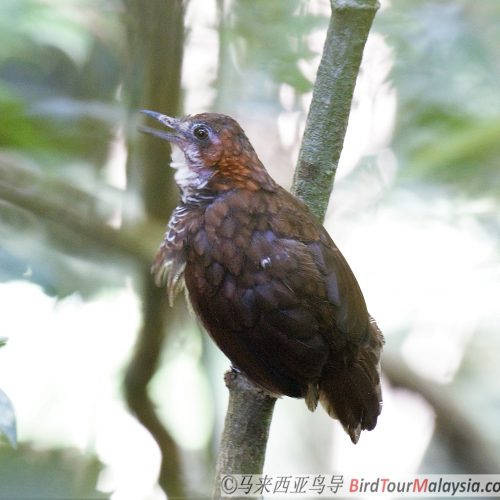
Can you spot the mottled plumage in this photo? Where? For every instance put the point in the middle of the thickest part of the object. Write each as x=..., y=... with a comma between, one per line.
x=265, y=278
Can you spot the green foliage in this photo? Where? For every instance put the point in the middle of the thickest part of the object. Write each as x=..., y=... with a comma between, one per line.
x=446, y=73
x=268, y=40
x=30, y=473
x=49, y=100
x=58, y=81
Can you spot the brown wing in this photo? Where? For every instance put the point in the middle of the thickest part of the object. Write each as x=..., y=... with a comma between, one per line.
x=260, y=277
x=349, y=386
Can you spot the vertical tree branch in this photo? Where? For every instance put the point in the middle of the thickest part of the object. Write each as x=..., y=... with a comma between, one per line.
x=155, y=37
x=244, y=439
x=246, y=429
x=331, y=102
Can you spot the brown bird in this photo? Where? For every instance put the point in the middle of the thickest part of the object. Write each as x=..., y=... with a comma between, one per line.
x=264, y=276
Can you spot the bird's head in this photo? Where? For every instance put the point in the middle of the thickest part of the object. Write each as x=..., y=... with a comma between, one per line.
x=217, y=155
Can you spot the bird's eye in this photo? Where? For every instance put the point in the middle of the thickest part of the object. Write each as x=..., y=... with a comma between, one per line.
x=200, y=132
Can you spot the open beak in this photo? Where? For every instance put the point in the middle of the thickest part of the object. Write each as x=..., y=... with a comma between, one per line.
x=169, y=122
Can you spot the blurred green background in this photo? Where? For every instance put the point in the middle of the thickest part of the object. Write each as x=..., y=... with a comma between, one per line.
x=84, y=200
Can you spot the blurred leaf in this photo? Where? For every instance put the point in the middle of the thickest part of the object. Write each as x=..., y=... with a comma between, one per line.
x=27, y=473
x=61, y=24
x=16, y=130
x=58, y=81
x=466, y=158
x=7, y=419
x=447, y=71
x=269, y=41
x=59, y=73
x=3, y=341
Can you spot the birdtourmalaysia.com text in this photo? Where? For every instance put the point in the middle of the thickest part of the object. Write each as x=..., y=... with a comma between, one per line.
x=346, y=486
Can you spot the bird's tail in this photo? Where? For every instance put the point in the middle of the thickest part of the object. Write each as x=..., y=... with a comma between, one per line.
x=350, y=391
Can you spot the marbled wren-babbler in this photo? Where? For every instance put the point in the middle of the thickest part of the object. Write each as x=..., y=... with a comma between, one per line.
x=264, y=276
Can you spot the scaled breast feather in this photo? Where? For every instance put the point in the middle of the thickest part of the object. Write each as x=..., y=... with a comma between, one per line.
x=168, y=271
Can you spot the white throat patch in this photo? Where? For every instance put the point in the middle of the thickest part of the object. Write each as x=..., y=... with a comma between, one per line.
x=186, y=178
